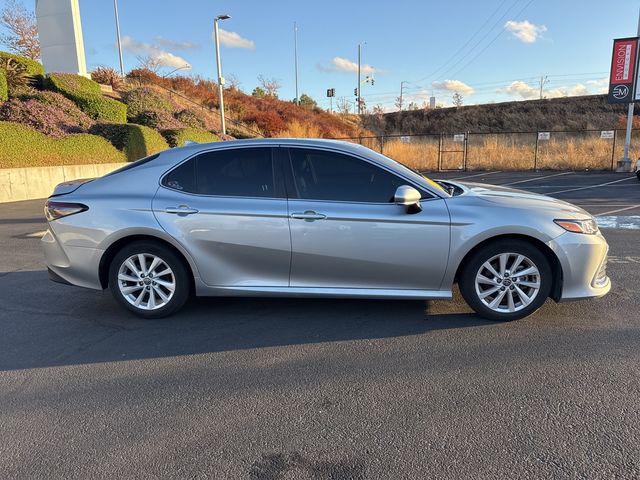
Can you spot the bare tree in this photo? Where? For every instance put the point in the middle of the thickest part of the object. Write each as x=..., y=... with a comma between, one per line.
x=149, y=63
x=457, y=99
x=21, y=35
x=343, y=105
x=398, y=103
x=269, y=85
x=233, y=82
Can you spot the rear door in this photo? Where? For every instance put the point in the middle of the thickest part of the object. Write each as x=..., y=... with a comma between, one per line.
x=228, y=208
x=346, y=232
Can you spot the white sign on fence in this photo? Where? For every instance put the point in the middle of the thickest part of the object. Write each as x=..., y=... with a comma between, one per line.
x=458, y=137
x=405, y=139
x=607, y=134
x=544, y=135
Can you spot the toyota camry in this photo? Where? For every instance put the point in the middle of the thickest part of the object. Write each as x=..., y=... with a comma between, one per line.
x=315, y=218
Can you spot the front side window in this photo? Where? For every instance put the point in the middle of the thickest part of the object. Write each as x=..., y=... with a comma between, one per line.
x=326, y=175
x=237, y=172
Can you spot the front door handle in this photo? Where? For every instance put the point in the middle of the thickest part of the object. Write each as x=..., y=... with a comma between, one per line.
x=308, y=215
x=181, y=210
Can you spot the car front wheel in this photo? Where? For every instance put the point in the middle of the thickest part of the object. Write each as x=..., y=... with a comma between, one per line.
x=149, y=279
x=506, y=280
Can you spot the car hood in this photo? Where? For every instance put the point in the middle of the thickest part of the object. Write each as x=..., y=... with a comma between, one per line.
x=519, y=198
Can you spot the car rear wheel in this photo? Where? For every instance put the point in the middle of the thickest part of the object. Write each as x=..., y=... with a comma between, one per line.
x=149, y=279
x=506, y=280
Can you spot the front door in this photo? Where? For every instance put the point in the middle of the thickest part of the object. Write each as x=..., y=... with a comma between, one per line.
x=228, y=209
x=346, y=232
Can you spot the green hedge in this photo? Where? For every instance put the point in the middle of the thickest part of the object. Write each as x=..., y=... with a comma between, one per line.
x=4, y=91
x=21, y=146
x=31, y=67
x=86, y=94
x=136, y=141
x=176, y=137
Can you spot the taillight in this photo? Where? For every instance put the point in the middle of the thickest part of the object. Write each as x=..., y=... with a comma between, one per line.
x=56, y=210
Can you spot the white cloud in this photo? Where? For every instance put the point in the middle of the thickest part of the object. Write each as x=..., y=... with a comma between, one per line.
x=526, y=91
x=164, y=58
x=519, y=89
x=453, y=86
x=234, y=40
x=600, y=85
x=339, y=64
x=525, y=31
x=176, y=45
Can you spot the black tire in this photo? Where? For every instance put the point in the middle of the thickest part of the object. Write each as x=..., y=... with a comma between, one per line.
x=181, y=277
x=467, y=278
x=638, y=174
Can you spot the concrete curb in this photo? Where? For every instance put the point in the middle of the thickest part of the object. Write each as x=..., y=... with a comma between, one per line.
x=38, y=182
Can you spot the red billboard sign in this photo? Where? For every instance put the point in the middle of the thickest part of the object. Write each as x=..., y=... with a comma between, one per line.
x=623, y=66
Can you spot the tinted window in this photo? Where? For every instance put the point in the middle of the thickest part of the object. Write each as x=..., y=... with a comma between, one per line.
x=322, y=175
x=246, y=172
x=182, y=178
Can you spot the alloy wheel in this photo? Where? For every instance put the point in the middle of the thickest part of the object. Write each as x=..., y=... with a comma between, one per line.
x=146, y=281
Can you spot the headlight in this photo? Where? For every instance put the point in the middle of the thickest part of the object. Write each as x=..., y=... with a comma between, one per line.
x=588, y=227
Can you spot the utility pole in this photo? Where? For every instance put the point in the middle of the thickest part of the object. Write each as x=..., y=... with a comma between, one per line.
x=295, y=53
x=401, y=92
x=543, y=80
x=115, y=9
x=626, y=161
x=359, y=63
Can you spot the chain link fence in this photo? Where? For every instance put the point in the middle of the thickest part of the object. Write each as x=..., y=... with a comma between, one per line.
x=556, y=150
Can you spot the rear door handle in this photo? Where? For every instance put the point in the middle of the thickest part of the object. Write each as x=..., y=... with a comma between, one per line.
x=308, y=215
x=181, y=210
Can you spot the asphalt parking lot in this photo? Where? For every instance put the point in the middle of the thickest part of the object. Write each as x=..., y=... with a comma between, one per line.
x=284, y=389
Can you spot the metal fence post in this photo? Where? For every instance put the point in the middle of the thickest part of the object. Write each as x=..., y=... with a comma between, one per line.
x=440, y=153
x=382, y=144
x=464, y=153
x=535, y=155
x=613, y=150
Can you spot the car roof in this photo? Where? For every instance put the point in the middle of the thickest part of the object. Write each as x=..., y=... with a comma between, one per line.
x=253, y=142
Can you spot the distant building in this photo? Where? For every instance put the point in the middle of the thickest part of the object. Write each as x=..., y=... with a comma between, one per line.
x=432, y=102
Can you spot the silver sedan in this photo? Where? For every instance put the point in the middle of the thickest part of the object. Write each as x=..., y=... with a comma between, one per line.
x=315, y=218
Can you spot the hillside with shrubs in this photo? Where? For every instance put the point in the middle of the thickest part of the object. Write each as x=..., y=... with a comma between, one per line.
x=49, y=118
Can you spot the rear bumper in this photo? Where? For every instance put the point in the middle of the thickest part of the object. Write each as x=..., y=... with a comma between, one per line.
x=583, y=260
x=71, y=265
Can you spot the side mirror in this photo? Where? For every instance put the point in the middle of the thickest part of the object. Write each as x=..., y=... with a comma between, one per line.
x=408, y=197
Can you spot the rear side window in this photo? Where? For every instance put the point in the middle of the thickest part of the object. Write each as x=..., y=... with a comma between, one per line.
x=238, y=172
x=326, y=175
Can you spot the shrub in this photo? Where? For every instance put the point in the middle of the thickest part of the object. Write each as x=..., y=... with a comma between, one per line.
x=4, y=92
x=107, y=76
x=157, y=119
x=42, y=117
x=190, y=118
x=269, y=122
x=31, y=67
x=86, y=94
x=59, y=101
x=142, y=99
x=21, y=146
x=178, y=136
x=136, y=141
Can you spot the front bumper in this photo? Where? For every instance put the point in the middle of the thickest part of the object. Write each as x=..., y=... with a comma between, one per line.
x=583, y=260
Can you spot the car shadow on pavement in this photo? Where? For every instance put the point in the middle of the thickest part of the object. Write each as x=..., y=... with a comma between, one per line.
x=46, y=324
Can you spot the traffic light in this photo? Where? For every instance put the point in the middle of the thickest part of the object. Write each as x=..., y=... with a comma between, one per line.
x=373, y=80
x=331, y=92
x=355, y=91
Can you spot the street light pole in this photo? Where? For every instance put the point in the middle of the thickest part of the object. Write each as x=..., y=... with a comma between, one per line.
x=115, y=9
x=359, y=62
x=223, y=126
x=295, y=50
x=626, y=161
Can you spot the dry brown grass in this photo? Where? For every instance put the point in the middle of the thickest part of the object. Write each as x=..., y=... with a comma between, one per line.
x=502, y=152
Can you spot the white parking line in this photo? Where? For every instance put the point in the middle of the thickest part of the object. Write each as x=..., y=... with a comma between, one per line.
x=537, y=178
x=618, y=210
x=592, y=186
x=476, y=175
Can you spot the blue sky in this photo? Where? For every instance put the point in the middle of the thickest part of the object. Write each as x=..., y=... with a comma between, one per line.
x=493, y=50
